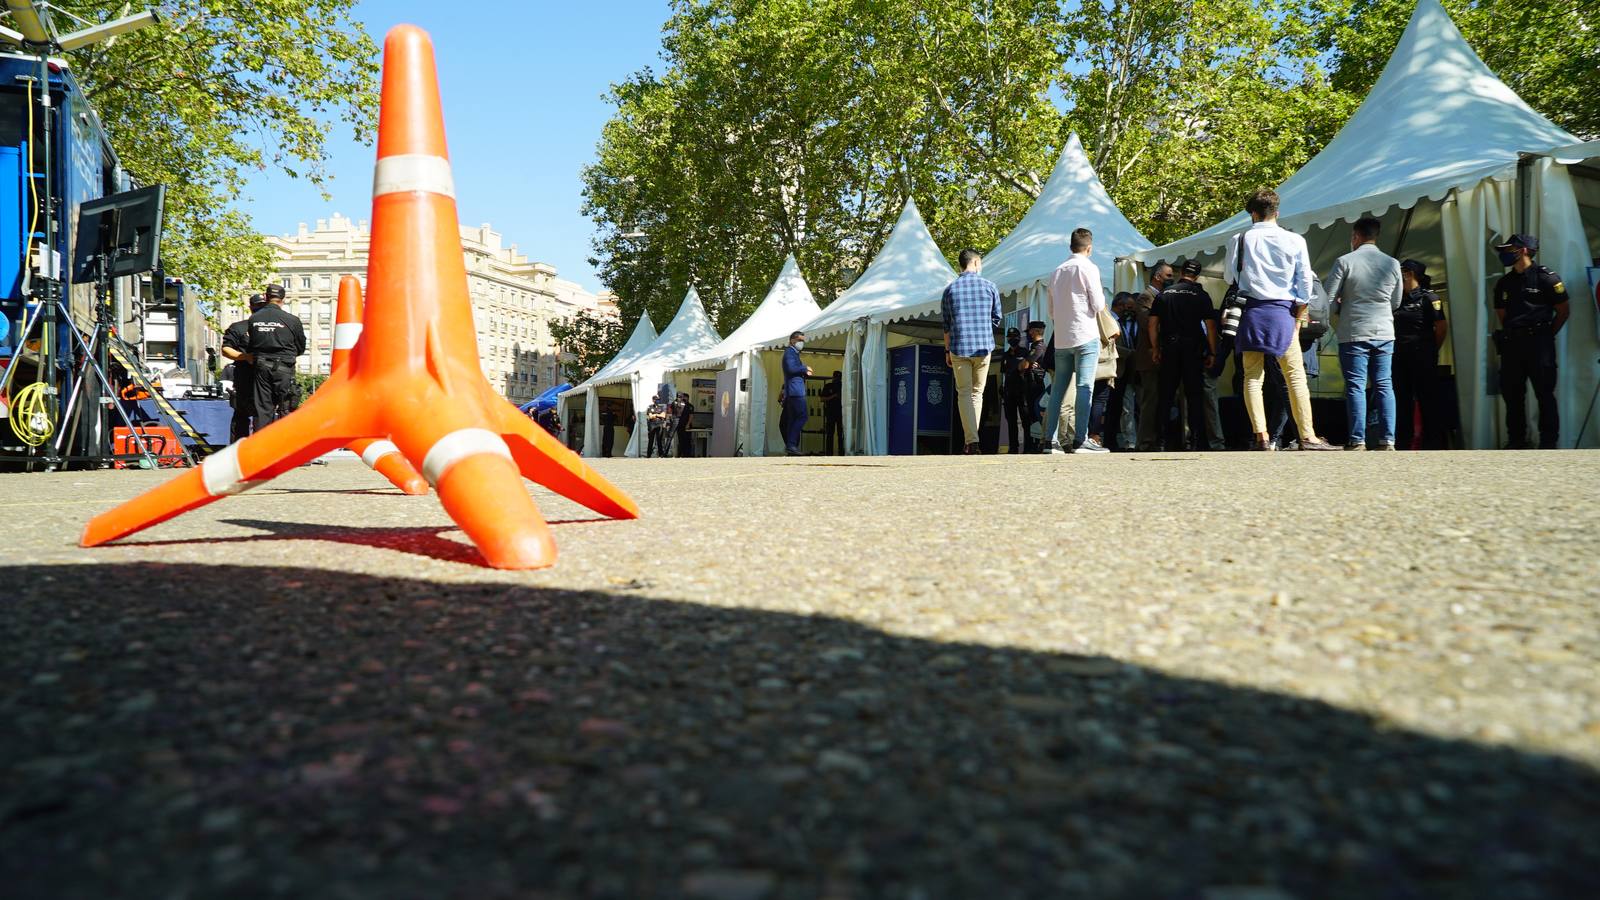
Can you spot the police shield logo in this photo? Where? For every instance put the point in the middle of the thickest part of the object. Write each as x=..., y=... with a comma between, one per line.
x=900, y=394
x=935, y=392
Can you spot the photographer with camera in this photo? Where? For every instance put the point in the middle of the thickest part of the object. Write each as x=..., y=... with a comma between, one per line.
x=1272, y=270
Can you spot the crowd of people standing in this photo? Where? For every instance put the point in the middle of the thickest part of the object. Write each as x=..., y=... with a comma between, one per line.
x=1128, y=365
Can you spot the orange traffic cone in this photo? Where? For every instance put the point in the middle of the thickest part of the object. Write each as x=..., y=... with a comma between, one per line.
x=380, y=455
x=414, y=377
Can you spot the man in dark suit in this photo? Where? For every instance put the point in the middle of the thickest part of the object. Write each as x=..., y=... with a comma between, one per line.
x=794, y=393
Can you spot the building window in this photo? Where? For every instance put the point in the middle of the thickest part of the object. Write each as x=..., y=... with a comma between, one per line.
x=325, y=282
x=305, y=282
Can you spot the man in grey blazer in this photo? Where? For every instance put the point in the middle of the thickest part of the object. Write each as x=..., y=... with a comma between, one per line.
x=1365, y=290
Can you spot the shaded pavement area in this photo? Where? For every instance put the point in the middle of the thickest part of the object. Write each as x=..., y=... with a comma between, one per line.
x=809, y=680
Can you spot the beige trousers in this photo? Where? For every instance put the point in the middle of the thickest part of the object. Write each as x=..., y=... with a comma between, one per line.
x=1294, y=374
x=972, y=372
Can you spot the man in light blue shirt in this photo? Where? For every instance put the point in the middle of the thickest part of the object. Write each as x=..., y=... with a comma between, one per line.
x=1365, y=290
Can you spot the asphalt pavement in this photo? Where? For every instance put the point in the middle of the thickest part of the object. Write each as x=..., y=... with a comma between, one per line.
x=1219, y=676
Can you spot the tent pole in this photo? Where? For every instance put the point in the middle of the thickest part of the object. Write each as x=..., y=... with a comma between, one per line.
x=1405, y=229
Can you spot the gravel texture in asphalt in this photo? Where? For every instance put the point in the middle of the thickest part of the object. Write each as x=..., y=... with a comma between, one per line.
x=1219, y=676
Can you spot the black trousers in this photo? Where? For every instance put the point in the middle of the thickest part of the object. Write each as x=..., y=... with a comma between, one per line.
x=1416, y=384
x=655, y=443
x=1020, y=416
x=1529, y=355
x=1183, y=365
x=275, y=393
x=244, y=402
x=1111, y=423
x=833, y=434
x=685, y=445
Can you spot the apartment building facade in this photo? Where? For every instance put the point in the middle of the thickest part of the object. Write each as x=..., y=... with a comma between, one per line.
x=514, y=300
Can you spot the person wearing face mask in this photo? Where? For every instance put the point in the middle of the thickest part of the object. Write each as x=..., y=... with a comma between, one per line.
x=1530, y=302
x=1419, y=332
x=794, y=394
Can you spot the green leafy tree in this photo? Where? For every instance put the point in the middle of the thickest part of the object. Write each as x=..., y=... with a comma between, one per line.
x=220, y=89
x=586, y=342
x=801, y=126
x=1547, y=51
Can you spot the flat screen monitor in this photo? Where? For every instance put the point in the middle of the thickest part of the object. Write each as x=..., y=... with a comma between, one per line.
x=125, y=228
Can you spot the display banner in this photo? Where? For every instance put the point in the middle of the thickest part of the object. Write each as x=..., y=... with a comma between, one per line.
x=725, y=414
x=936, y=397
x=902, y=401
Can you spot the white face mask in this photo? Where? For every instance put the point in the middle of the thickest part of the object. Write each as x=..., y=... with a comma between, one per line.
x=799, y=345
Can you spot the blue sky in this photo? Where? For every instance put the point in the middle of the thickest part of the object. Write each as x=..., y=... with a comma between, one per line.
x=522, y=82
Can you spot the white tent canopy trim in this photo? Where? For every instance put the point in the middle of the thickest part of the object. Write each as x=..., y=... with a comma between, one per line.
x=1437, y=120
x=1072, y=198
x=787, y=307
x=644, y=334
x=896, y=285
x=687, y=336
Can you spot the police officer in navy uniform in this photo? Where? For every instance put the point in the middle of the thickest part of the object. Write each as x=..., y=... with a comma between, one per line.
x=236, y=347
x=276, y=339
x=1531, y=303
x=1419, y=331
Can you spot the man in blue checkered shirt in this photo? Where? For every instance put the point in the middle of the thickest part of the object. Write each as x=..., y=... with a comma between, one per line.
x=971, y=310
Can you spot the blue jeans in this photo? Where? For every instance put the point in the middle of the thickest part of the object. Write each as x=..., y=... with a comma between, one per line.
x=1358, y=359
x=1072, y=364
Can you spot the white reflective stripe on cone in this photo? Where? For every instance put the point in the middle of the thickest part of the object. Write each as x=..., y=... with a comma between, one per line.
x=378, y=450
x=345, y=335
x=413, y=172
x=458, y=445
x=221, y=473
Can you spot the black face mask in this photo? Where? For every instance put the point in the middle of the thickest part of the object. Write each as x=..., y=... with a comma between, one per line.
x=1508, y=258
x=1013, y=340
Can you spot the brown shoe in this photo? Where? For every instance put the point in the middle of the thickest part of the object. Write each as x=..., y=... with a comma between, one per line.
x=1317, y=444
x=970, y=449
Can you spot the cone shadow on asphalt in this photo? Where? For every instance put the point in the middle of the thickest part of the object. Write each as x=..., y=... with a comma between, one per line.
x=182, y=730
x=422, y=540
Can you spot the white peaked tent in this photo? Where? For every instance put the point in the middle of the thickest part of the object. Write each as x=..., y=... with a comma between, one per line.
x=1072, y=198
x=906, y=272
x=644, y=334
x=1434, y=153
x=787, y=307
x=689, y=335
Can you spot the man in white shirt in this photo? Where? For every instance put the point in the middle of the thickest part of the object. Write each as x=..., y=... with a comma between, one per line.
x=1275, y=283
x=1076, y=299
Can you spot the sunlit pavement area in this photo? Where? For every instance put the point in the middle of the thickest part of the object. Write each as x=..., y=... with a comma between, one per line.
x=1219, y=676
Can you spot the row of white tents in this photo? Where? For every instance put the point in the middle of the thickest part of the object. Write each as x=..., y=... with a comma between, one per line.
x=1448, y=157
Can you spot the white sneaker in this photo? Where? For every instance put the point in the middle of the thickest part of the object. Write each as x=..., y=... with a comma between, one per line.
x=1090, y=445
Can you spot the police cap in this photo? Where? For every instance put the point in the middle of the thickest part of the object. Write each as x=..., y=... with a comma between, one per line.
x=257, y=301
x=274, y=292
x=1192, y=267
x=1524, y=241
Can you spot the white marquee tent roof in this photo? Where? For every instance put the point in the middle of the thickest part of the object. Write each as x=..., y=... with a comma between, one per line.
x=1072, y=198
x=787, y=307
x=688, y=336
x=1436, y=120
x=898, y=282
x=644, y=334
